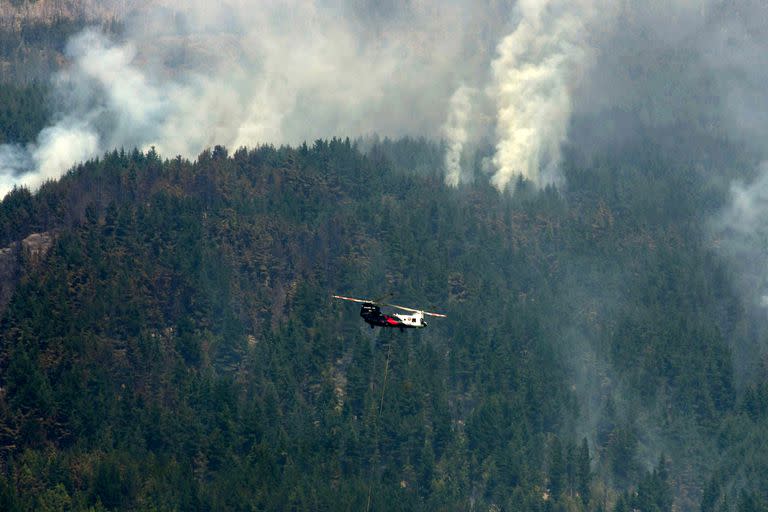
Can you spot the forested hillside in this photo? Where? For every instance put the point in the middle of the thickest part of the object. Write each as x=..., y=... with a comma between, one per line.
x=177, y=348
x=34, y=33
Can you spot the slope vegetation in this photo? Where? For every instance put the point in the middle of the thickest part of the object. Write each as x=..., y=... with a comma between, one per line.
x=176, y=347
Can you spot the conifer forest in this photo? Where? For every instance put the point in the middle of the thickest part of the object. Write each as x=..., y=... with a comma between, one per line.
x=168, y=336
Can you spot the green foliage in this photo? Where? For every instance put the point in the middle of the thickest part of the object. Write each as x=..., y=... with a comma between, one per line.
x=178, y=349
x=23, y=112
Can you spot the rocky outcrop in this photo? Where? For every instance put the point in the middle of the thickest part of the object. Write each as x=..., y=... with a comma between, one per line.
x=36, y=246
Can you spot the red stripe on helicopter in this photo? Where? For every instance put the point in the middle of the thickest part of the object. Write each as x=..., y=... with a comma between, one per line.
x=392, y=321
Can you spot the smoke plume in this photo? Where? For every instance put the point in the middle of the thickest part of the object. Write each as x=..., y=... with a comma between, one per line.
x=742, y=233
x=185, y=76
x=533, y=78
x=594, y=73
x=456, y=133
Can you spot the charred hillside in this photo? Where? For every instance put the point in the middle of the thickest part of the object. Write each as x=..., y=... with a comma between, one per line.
x=176, y=346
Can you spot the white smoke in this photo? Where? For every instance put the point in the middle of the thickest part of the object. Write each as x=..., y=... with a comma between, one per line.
x=57, y=149
x=742, y=234
x=13, y=161
x=733, y=41
x=188, y=75
x=456, y=131
x=534, y=75
x=101, y=87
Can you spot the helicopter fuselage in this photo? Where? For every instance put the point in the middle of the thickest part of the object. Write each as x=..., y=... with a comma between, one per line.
x=373, y=316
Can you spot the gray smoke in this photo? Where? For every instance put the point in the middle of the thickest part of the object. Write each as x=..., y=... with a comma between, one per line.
x=741, y=231
x=593, y=73
x=187, y=75
x=735, y=49
x=456, y=132
x=534, y=75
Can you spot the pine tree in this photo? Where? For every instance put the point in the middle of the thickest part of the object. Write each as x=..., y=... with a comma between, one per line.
x=583, y=472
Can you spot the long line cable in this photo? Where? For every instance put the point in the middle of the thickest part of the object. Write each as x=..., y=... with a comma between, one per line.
x=376, y=424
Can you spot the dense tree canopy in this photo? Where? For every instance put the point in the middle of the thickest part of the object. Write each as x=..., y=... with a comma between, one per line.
x=177, y=347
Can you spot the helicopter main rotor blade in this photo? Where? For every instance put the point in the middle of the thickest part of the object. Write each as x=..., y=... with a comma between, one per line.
x=352, y=299
x=439, y=315
x=368, y=301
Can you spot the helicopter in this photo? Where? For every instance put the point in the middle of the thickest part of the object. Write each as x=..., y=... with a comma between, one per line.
x=372, y=315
